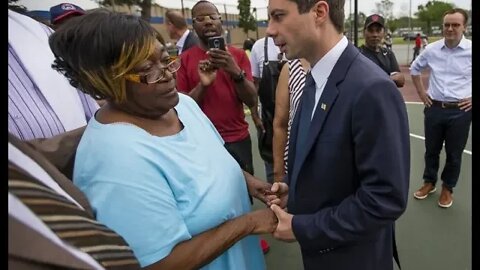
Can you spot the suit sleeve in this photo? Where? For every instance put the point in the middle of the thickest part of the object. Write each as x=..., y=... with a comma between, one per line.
x=382, y=164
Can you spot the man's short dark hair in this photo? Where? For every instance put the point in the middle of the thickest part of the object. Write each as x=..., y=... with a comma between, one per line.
x=175, y=18
x=458, y=10
x=203, y=2
x=336, y=13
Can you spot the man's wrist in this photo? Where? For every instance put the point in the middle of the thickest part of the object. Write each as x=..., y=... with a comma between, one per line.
x=239, y=77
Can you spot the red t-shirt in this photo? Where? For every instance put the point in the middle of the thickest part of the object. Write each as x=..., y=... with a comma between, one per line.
x=418, y=42
x=221, y=103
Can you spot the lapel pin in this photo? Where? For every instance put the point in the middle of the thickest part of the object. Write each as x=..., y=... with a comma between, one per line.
x=324, y=106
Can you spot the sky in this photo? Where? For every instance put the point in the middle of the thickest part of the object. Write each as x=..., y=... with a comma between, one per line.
x=400, y=7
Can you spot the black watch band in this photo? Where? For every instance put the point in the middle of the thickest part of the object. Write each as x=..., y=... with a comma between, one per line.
x=240, y=77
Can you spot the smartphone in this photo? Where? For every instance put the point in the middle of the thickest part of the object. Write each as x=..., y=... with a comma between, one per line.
x=216, y=43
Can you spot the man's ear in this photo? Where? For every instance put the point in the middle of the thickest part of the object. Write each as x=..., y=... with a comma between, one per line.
x=320, y=10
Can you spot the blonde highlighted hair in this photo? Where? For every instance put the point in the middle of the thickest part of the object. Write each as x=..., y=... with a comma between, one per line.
x=96, y=50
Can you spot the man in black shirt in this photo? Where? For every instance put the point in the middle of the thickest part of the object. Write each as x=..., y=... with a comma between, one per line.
x=374, y=32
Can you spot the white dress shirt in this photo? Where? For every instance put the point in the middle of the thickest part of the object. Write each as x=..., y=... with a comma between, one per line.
x=322, y=69
x=181, y=41
x=451, y=70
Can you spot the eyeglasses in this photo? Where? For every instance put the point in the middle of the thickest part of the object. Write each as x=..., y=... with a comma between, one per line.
x=212, y=17
x=156, y=74
x=453, y=25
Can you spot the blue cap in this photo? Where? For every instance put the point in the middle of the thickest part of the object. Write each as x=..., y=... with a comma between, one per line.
x=64, y=10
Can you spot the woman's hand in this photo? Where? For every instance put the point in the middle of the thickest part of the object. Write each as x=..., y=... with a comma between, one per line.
x=263, y=221
x=257, y=188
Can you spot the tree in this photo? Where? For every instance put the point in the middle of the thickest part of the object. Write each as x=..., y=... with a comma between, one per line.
x=12, y=4
x=246, y=21
x=385, y=8
x=145, y=5
x=432, y=12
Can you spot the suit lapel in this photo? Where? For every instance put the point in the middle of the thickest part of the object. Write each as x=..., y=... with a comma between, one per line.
x=324, y=106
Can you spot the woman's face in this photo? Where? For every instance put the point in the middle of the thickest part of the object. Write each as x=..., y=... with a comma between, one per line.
x=156, y=99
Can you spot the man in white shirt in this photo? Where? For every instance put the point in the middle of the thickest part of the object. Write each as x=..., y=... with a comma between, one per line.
x=448, y=103
x=177, y=30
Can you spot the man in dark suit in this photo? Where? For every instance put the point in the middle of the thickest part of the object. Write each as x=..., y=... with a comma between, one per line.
x=177, y=30
x=51, y=224
x=349, y=156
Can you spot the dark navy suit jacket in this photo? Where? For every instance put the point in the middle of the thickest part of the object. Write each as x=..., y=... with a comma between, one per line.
x=190, y=41
x=351, y=180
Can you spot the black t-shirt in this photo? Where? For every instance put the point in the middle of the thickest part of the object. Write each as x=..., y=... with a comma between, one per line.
x=385, y=58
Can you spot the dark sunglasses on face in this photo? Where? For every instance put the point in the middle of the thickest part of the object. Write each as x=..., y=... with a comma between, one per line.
x=200, y=19
x=157, y=74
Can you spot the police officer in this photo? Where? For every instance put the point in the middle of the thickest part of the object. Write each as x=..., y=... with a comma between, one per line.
x=374, y=32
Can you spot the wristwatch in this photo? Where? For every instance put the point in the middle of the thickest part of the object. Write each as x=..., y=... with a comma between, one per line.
x=240, y=77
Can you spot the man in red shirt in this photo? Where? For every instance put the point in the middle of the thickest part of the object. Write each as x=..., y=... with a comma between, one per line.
x=220, y=82
x=418, y=46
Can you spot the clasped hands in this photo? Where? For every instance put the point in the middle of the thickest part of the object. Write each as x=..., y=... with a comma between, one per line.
x=275, y=196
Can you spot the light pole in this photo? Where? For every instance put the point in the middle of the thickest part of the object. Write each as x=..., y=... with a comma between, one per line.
x=351, y=23
x=409, y=30
x=355, y=28
x=256, y=21
x=183, y=10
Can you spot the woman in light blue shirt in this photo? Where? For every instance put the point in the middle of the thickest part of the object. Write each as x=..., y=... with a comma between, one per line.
x=150, y=162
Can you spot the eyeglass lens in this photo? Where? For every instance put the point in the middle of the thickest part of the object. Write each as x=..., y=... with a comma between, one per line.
x=212, y=17
x=159, y=73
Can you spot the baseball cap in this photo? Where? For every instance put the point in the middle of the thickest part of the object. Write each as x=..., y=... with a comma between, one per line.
x=374, y=18
x=64, y=10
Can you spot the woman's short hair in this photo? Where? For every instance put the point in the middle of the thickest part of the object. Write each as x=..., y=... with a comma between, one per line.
x=95, y=50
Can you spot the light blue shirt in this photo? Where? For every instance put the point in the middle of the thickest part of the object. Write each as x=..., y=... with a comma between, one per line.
x=159, y=191
x=451, y=70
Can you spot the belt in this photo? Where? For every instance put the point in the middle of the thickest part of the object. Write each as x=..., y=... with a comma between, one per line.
x=445, y=105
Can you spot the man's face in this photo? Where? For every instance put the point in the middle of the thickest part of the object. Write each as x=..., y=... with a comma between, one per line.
x=291, y=31
x=374, y=34
x=453, y=27
x=204, y=25
x=170, y=30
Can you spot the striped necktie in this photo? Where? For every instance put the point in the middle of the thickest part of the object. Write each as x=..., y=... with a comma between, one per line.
x=71, y=223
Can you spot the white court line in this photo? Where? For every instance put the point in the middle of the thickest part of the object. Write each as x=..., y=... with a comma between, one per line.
x=423, y=138
x=413, y=102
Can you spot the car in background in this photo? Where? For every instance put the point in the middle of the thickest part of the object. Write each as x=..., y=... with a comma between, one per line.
x=413, y=36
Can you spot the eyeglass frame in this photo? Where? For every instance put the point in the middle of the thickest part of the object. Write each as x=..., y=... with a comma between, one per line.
x=195, y=20
x=453, y=25
x=138, y=78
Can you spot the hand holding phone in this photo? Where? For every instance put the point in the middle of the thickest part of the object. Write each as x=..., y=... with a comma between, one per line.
x=216, y=43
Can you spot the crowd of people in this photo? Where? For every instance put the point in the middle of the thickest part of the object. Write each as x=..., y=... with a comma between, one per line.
x=127, y=154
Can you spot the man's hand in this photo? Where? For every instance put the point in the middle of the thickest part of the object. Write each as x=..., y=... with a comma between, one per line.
x=425, y=98
x=223, y=59
x=465, y=104
x=284, y=230
x=206, y=73
x=278, y=194
x=258, y=123
x=257, y=188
